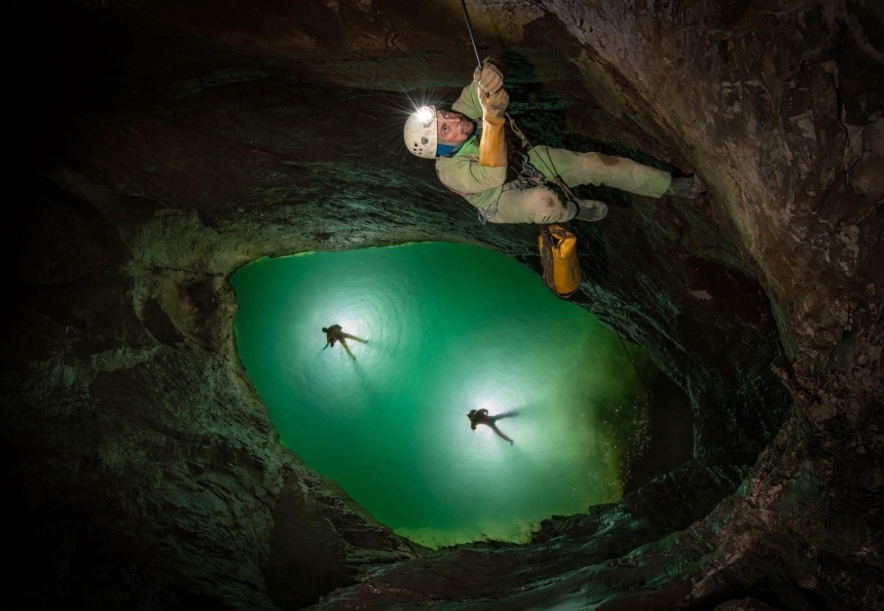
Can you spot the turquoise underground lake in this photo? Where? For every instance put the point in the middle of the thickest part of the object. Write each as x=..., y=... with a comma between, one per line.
x=449, y=328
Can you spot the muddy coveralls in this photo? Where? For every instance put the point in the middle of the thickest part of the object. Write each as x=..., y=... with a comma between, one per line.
x=485, y=188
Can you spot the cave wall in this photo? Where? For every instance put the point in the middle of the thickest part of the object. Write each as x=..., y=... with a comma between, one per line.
x=161, y=146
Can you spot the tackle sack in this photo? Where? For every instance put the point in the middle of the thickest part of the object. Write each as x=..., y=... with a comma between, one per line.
x=558, y=256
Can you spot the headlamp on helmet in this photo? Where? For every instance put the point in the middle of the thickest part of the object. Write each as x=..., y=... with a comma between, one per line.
x=420, y=132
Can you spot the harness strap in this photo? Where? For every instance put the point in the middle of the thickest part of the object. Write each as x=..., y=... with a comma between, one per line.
x=525, y=175
x=528, y=170
x=487, y=212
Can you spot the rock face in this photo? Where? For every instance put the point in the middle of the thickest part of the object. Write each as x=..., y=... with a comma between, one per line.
x=160, y=146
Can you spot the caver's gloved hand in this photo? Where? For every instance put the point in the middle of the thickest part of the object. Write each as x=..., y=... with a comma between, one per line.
x=489, y=76
x=492, y=145
x=494, y=105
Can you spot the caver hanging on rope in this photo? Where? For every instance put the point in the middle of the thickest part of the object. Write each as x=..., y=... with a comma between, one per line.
x=479, y=156
x=468, y=149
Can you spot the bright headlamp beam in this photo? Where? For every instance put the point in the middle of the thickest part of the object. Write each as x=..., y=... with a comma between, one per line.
x=425, y=114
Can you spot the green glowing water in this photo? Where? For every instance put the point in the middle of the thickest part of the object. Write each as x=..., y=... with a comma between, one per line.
x=450, y=328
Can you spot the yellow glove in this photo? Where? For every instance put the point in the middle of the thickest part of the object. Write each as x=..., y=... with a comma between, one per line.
x=494, y=104
x=492, y=146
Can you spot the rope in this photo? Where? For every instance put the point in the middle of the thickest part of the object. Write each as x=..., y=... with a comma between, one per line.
x=485, y=460
x=637, y=372
x=622, y=343
x=466, y=16
x=567, y=190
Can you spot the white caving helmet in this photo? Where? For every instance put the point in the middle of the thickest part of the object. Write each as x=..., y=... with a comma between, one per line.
x=420, y=132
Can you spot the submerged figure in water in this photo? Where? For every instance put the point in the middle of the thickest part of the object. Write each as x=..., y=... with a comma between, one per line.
x=481, y=416
x=335, y=333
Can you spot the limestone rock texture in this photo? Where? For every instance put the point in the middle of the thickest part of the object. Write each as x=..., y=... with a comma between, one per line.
x=158, y=146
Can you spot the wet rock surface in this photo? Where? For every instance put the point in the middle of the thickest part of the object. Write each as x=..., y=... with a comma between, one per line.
x=159, y=147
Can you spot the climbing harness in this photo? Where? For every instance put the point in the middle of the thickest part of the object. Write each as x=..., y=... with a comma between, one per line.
x=527, y=175
x=521, y=173
x=531, y=173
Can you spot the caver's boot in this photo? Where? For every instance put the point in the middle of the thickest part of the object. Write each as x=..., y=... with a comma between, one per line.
x=591, y=210
x=690, y=187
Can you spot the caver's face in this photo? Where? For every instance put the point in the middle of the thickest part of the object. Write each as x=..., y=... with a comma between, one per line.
x=452, y=127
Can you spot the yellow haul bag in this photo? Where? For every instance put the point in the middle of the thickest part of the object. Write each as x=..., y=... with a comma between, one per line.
x=558, y=256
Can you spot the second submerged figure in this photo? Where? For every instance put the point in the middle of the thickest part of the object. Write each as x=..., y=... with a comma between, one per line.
x=481, y=416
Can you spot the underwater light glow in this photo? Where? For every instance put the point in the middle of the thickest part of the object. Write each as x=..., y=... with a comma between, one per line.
x=450, y=328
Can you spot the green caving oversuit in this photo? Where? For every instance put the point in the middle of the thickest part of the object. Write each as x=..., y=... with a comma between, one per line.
x=484, y=188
